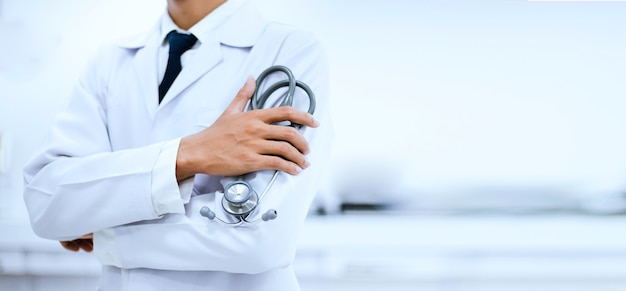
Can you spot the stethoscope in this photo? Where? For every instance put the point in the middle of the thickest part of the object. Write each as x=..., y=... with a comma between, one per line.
x=240, y=198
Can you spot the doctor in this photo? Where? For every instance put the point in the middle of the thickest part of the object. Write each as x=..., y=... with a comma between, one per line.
x=132, y=161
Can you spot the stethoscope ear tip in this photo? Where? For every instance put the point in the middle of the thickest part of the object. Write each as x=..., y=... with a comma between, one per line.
x=269, y=215
x=206, y=212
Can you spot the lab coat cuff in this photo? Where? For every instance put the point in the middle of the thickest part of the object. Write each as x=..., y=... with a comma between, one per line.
x=186, y=187
x=166, y=192
x=106, y=248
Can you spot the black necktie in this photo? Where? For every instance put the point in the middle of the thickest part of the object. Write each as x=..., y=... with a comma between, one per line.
x=179, y=43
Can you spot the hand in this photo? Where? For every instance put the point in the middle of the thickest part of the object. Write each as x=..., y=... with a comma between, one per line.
x=85, y=243
x=242, y=142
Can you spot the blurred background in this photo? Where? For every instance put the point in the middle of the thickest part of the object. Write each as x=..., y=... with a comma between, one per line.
x=480, y=145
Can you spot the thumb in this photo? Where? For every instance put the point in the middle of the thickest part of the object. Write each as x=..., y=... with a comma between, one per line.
x=241, y=99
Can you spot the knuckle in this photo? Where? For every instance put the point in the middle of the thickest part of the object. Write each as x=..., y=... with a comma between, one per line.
x=255, y=113
x=283, y=147
x=275, y=163
x=248, y=158
x=305, y=148
x=291, y=133
x=288, y=112
x=253, y=128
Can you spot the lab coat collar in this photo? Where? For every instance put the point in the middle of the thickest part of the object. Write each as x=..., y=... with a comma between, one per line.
x=244, y=28
x=241, y=29
x=204, y=29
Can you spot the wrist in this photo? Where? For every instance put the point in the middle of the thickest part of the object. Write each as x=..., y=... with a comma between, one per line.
x=184, y=161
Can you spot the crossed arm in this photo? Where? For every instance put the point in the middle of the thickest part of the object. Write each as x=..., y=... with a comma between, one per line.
x=250, y=138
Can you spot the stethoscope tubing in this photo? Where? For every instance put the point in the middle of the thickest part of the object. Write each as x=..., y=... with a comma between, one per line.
x=257, y=101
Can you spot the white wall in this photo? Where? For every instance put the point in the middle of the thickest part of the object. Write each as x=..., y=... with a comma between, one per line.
x=483, y=90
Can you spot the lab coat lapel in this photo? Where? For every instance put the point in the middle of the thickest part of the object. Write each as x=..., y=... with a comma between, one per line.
x=146, y=70
x=205, y=59
x=144, y=65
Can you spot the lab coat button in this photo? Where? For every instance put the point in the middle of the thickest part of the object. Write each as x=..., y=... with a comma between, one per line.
x=162, y=208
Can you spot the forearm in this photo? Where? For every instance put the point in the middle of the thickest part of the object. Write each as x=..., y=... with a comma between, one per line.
x=68, y=197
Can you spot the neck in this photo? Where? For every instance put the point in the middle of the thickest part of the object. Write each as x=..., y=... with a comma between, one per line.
x=186, y=13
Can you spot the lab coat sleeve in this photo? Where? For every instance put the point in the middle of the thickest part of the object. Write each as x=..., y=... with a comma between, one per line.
x=192, y=243
x=77, y=184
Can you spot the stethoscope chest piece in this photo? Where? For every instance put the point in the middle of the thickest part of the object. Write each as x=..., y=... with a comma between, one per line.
x=239, y=198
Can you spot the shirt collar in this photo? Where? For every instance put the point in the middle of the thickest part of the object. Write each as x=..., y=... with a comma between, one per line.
x=206, y=26
x=234, y=23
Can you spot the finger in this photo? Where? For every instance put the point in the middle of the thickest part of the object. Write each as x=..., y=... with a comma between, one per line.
x=287, y=113
x=86, y=244
x=87, y=236
x=284, y=150
x=241, y=99
x=290, y=135
x=70, y=245
x=268, y=162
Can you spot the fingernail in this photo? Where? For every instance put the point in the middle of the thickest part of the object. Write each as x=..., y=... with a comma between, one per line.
x=316, y=123
x=298, y=170
x=306, y=163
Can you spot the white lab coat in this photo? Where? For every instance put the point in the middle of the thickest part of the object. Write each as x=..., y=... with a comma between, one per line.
x=95, y=173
